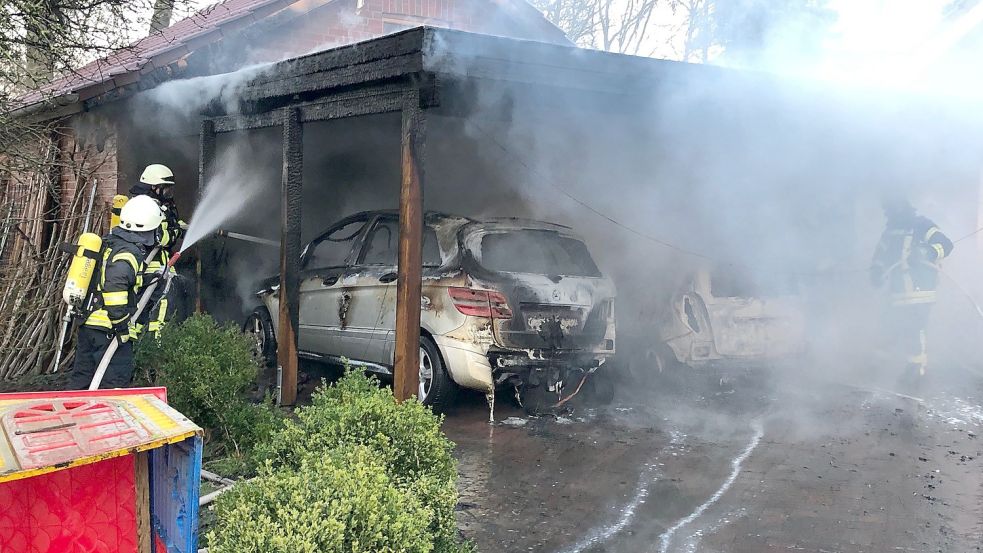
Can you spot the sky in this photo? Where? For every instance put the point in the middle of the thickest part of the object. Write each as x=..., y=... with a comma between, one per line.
x=892, y=41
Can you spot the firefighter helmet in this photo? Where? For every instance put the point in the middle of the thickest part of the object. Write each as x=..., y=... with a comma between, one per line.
x=157, y=174
x=896, y=205
x=140, y=214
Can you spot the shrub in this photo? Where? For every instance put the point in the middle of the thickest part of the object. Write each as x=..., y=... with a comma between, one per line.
x=208, y=370
x=354, y=421
x=344, y=502
x=356, y=411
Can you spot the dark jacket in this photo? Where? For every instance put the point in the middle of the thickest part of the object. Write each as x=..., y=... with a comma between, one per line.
x=907, y=258
x=170, y=230
x=119, y=278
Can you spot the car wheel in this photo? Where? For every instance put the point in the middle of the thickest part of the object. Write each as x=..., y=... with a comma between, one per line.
x=436, y=387
x=600, y=388
x=259, y=327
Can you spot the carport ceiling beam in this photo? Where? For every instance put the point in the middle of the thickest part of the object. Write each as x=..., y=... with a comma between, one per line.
x=388, y=100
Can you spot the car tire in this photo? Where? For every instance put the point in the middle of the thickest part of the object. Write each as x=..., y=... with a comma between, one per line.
x=259, y=326
x=600, y=388
x=436, y=388
x=538, y=400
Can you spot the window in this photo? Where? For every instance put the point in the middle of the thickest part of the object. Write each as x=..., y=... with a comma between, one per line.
x=332, y=249
x=382, y=245
x=390, y=27
x=431, y=252
x=536, y=252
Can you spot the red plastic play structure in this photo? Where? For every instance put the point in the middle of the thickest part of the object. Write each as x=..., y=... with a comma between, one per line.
x=97, y=472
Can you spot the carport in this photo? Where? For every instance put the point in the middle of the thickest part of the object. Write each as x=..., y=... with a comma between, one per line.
x=415, y=75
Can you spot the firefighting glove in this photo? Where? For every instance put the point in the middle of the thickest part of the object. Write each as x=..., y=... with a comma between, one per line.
x=927, y=254
x=122, y=331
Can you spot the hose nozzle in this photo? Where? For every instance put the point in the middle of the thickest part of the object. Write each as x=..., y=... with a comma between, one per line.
x=173, y=259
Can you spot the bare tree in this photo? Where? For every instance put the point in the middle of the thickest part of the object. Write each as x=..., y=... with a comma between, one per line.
x=697, y=31
x=741, y=30
x=163, y=9
x=625, y=26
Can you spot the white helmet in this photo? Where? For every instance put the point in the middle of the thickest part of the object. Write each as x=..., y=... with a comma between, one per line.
x=140, y=214
x=156, y=174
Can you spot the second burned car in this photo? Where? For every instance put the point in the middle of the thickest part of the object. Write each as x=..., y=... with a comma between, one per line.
x=506, y=303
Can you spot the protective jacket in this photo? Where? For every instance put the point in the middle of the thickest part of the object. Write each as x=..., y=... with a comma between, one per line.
x=170, y=233
x=171, y=229
x=119, y=280
x=907, y=259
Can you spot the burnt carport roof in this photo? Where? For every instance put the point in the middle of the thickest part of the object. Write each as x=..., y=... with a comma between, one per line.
x=429, y=57
x=447, y=51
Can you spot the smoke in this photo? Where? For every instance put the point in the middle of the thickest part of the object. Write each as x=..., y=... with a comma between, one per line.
x=770, y=181
x=186, y=97
x=227, y=194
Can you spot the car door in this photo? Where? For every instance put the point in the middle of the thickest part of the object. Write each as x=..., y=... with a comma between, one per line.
x=323, y=294
x=373, y=302
x=372, y=315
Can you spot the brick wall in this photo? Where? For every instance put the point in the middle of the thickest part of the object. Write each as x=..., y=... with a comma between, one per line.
x=87, y=158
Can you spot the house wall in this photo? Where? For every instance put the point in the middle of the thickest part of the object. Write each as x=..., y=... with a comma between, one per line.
x=86, y=156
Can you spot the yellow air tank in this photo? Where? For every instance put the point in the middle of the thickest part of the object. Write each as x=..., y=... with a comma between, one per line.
x=85, y=259
x=119, y=200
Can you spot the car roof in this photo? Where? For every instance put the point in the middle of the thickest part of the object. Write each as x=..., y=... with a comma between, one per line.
x=432, y=215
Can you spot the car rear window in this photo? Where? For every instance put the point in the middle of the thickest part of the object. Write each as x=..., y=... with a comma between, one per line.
x=538, y=252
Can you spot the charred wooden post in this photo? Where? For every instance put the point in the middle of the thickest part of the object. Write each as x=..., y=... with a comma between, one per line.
x=206, y=157
x=410, y=268
x=291, y=198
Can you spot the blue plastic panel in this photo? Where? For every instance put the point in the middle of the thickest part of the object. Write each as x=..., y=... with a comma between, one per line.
x=175, y=479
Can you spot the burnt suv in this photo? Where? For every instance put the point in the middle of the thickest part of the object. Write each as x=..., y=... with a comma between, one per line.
x=506, y=303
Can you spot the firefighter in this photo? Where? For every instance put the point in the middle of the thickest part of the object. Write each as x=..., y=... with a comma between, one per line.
x=116, y=288
x=906, y=263
x=157, y=181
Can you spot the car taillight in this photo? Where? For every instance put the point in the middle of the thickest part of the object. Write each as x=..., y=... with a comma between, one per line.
x=481, y=303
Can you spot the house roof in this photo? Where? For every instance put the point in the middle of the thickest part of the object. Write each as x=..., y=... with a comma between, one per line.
x=165, y=51
x=159, y=50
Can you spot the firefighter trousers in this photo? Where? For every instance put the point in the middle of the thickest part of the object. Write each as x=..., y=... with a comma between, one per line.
x=908, y=324
x=92, y=344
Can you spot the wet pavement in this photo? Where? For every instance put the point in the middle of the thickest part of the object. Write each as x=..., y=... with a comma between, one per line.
x=808, y=466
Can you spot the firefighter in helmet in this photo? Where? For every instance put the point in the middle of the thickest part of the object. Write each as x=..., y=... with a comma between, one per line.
x=157, y=182
x=906, y=264
x=118, y=281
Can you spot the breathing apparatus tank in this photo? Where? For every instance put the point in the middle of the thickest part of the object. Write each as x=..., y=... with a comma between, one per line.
x=119, y=200
x=85, y=259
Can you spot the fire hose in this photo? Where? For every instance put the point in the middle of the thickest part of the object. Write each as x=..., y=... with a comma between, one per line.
x=141, y=305
x=964, y=292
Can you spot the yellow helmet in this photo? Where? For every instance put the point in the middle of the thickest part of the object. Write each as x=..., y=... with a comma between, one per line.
x=156, y=174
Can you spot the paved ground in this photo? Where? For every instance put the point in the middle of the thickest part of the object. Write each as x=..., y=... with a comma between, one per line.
x=793, y=466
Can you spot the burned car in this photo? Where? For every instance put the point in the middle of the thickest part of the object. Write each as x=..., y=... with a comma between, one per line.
x=506, y=303
x=718, y=321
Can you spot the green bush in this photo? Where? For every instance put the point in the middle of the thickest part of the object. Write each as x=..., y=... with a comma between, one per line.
x=208, y=370
x=344, y=502
x=358, y=425
x=356, y=411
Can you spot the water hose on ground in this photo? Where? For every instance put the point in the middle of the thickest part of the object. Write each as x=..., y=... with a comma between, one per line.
x=575, y=392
